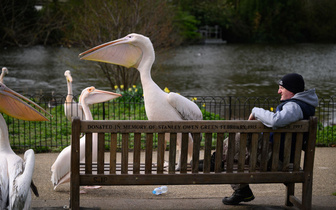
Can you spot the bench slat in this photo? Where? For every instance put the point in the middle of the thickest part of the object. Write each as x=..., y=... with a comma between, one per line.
x=219, y=152
x=254, y=150
x=88, y=153
x=275, y=151
x=196, y=152
x=185, y=179
x=207, y=152
x=264, y=152
x=113, y=153
x=136, y=153
x=184, y=152
x=160, y=152
x=149, y=150
x=298, y=151
x=287, y=151
x=186, y=126
x=242, y=152
x=101, y=149
x=172, y=153
x=230, y=152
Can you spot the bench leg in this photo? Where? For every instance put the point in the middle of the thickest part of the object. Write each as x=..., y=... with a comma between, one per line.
x=74, y=197
x=307, y=191
x=289, y=191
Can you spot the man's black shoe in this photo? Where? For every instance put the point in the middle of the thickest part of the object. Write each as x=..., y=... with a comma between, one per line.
x=241, y=195
x=212, y=163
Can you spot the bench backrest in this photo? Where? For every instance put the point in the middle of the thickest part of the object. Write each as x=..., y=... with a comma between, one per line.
x=132, y=133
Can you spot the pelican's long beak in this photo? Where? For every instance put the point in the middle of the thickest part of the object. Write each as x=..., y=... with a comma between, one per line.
x=13, y=105
x=96, y=96
x=120, y=52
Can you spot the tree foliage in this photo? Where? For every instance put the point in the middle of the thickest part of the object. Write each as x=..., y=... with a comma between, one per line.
x=95, y=22
x=18, y=22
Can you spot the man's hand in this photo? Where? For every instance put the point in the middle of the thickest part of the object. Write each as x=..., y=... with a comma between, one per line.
x=251, y=117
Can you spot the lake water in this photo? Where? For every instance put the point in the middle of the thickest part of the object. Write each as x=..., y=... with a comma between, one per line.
x=198, y=70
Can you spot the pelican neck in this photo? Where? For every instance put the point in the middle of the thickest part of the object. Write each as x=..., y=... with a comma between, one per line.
x=4, y=141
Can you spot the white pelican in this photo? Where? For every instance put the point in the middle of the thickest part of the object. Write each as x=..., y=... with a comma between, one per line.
x=61, y=167
x=135, y=50
x=3, y=73
x=16, y=173
x=71, y=108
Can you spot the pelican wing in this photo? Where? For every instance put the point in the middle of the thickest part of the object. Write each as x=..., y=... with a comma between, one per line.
x=187, y=109
x=116, y=52
x=20, y=194
x=61, y=168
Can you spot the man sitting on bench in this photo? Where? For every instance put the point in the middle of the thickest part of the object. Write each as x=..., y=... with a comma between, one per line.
x=296, y=104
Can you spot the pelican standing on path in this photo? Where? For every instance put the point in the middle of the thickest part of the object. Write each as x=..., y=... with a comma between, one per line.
x=71, y=108
x=61, y=167
x=16, y=173
x=135, y=50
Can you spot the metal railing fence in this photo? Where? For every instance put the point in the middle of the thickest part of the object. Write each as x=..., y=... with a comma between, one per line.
x=56, y=134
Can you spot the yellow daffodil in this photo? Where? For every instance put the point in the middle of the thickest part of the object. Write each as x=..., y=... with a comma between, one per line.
x=271, y=109
x=136, y=90
x=116, y=87
x=134, y=86
x=130, y=89
x=121, y=86
x=166, y=90
x=203, y=105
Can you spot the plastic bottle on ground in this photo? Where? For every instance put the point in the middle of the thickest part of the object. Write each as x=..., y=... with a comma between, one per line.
x=160, y=190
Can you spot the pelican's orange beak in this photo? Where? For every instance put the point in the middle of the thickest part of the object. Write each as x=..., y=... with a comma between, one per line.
x=13, y=105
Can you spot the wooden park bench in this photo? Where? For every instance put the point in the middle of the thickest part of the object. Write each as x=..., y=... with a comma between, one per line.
x=148, y=172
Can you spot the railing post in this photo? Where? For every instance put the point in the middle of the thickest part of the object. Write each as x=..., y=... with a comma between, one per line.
x=103, y=110
x=230, y=106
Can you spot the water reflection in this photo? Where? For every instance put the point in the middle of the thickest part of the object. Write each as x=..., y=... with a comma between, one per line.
x=217, y=70
x=247, y=70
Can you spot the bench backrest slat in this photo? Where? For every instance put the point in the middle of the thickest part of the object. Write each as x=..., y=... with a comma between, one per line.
x=230, y=153
x=100, y=155
x=88, y=153
x=219, y=152
x=298, y=151
x=254, y=150
x=172, y=153
x=113, y=153
x=242, y=152
x=264, y=152
x=136, y=153
x=149, y=151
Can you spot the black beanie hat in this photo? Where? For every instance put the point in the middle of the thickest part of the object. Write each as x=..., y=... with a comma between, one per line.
x=293, y=82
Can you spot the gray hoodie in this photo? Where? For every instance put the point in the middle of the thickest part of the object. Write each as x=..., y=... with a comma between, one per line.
x=290, y=112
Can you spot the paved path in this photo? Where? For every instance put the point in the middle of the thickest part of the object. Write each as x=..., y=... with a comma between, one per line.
x=268, y=196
